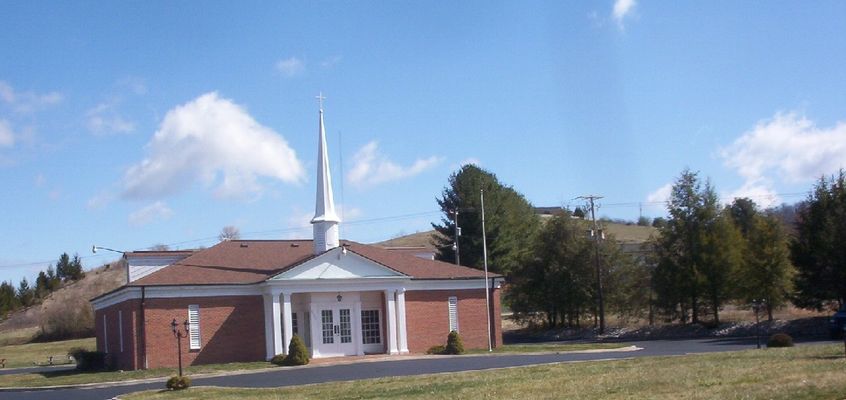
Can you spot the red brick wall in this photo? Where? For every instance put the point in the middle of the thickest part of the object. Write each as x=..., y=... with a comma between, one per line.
x=427, y=318
x=231, y=330
x=126, y=312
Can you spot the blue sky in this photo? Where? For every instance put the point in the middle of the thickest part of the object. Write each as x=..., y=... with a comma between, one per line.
x=128, y=124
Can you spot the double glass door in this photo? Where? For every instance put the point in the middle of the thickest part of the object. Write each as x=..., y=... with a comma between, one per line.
x=336, y=331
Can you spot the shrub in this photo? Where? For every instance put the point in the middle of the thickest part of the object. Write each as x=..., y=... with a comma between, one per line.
x=87, y=360
x=67, y=318
x=780, y=340
x=178, y=382
x=439, y=349
x=297, y=354
x=454, y=344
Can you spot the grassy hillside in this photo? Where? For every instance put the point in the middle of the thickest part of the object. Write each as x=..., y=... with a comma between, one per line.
x=22, y=326
x=622, y=233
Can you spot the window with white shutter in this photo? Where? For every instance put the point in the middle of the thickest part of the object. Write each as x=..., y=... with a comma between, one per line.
x=194, y=326
x=453, y=313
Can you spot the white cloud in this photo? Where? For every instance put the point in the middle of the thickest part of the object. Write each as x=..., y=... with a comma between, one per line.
x=216, y=141
x=290, y=67
x=331, y=61
x=622, y=8
x=157, y=211
x=27, y=101
x=787, y=147
x=99, y=200
x=759, y=191
x=662, y=194
x=372, y=168
x=104, y=119
x=7, y=137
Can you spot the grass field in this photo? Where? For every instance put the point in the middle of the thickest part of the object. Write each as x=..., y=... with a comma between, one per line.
x=24, y=355
x=73, y=377
x=807, y=372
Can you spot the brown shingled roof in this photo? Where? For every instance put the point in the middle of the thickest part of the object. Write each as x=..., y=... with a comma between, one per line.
x=253, y=261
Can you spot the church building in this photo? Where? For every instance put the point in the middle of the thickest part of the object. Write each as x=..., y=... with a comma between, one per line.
x=243, y=300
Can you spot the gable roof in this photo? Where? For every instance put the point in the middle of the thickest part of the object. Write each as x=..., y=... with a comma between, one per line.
x=254, y=261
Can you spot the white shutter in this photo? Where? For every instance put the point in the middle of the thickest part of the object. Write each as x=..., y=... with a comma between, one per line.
x=453, y=313
x=194, y=326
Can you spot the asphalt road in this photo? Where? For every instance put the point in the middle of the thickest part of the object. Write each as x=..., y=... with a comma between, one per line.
x=330, y=373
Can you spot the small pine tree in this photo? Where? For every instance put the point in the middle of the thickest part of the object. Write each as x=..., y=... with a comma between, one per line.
x=454, y=344
x=297, y=353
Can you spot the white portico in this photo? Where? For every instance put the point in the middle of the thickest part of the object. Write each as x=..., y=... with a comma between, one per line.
x=339, y=303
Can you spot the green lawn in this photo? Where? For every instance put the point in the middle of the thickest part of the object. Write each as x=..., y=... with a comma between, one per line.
x=807, y=372
x=550, y=348
x=73, y=377
x=24, y=355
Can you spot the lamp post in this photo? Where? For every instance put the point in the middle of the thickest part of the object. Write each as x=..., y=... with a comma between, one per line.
x=758, y=305
x=178, y=334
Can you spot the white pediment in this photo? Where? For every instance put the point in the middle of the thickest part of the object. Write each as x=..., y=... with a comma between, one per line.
x=338, y=264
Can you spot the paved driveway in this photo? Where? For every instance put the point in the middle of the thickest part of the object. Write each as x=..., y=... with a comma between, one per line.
x=329, y=373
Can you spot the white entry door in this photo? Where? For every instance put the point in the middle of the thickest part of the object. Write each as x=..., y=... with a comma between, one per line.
x=336, y=331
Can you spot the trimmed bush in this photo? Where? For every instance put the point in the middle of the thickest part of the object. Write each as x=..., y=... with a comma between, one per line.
x=454, y=344
x=88, y=360
x=780, y=340
x=178, y=382
x=439, y=349
x=297, y=354
x=278, y=359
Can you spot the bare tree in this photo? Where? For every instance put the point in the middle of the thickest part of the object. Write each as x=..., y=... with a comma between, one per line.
x=229, y=232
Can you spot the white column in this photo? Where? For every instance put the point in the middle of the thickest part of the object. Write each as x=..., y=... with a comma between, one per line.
x=402, y=337
x=391, y=317
x=287, y=329
x=268, y=325
x=356, y=327
x=272, y=324
x=316, y=333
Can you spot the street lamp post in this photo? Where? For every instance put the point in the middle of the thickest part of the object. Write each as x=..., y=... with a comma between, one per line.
x=178, y=334
x=758, y=305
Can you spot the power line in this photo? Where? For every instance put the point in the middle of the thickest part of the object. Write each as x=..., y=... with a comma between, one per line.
x=252, y=234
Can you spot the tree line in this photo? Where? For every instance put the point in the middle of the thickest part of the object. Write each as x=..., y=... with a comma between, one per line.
x=706, y=254
x=68, y=269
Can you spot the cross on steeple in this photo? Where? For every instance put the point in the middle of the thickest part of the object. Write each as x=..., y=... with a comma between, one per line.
x=320, y=99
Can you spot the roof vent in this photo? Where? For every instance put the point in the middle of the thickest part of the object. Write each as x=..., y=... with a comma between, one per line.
x=244, y=245
x=295, y=245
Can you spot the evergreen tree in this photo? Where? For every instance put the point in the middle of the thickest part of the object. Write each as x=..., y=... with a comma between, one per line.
x=74, y=272
x=53, y=281
x=558, y=279
x=743, y=212
x=26, y=294
x=42, y=285
x=63, y=267
x=8, y=299
x=767, y=273
x=688, y=268
x=721, y=258
x=817, y=250
x=510, y=221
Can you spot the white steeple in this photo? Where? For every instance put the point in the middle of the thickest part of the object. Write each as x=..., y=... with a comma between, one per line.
x=325, y=221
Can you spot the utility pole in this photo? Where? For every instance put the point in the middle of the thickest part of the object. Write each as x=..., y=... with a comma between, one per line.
x=485, y=257
x=457, y=235
x=600, y=300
